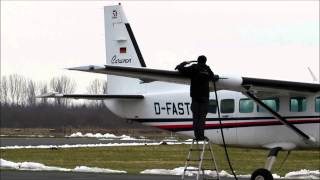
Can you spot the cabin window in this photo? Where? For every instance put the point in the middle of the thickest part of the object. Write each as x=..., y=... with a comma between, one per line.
x=273, y=103
x=227, y=106
x=298, y=104
x=245, y=106
x=317, y=103
x=212, y=107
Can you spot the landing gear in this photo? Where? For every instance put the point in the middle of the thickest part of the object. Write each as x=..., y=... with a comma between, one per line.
x=261, y=174
x=265, y=173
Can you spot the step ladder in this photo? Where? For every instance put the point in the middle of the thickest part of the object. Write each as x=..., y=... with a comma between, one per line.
x=197, y=156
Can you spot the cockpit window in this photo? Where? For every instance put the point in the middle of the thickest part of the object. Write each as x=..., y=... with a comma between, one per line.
x=298, y=104
x=273, y=103
x=227, y=105
x=212, y=107
x=317, y=104
x=245, y=106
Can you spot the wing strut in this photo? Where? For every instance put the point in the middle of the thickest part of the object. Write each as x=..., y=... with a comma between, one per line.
x=280, y=118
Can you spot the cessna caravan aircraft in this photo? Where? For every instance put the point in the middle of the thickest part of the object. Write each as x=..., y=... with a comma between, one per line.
x=255, y=113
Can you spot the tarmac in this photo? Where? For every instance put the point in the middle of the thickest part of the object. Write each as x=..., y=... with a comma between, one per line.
x=41, y=175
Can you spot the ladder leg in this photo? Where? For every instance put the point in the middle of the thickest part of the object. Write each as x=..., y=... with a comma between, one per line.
x=200, y=151
x=188, y=158
x=214, y=160
x=201, y=159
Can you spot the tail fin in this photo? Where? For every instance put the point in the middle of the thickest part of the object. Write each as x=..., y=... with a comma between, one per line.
x=121, y=45
x=121, y=50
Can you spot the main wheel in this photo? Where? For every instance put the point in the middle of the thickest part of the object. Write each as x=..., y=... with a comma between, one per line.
x=261, y=174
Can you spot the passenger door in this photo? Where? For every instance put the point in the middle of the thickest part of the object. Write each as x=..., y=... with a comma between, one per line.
x=227, y=109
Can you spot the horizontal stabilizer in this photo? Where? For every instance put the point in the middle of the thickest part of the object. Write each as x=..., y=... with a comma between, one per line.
x=90, y=96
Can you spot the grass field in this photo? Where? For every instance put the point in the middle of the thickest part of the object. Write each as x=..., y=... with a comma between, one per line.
x=136, y=159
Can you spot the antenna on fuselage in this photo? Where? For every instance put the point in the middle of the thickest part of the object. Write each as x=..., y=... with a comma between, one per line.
x=314, y=78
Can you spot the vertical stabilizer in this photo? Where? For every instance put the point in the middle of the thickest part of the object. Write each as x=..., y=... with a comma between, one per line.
x=121, y=50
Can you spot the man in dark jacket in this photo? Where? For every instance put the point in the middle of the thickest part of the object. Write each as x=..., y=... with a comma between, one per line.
x=200, y=75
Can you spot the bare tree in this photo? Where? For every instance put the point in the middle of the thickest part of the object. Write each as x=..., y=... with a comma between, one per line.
x=4, y=90
x=65, y=85
x=105, y=90
x=43, y=89
x=31, y=93
x=17, y=89
x=96, y=87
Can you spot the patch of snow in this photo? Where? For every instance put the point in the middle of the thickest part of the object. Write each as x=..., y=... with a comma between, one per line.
x=128, y=139
x=29, y=166
x=276, y=176
x=176, y=171
x=106, y=136
x=124, y=136
x=41, y=167
x=179, y=171
x=8, y=164
x=96, y=169
x=97, y=135
x=303, y=174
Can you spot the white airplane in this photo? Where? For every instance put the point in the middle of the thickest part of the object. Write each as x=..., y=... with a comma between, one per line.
x=255, y=113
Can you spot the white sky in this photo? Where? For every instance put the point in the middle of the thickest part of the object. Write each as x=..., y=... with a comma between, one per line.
x=264, y=39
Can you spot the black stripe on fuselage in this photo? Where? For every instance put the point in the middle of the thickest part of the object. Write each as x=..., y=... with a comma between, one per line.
x=238, y=126
x=135, y=45
x=215, y=119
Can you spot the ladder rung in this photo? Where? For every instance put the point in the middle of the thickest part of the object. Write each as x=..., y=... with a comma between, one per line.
x=195, y=149
x=191, y=169
x=207, y=149
x=193, y=159
x=204, y=159
x=203, y=169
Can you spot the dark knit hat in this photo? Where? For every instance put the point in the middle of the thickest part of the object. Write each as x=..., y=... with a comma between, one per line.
x=202, y=59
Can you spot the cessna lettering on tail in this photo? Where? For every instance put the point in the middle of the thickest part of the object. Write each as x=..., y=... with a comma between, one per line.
x=116, y=60
x=172, y=108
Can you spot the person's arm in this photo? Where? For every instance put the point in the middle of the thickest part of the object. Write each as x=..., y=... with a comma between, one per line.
x=212, y=76
x=185, y=70
x=181, y=65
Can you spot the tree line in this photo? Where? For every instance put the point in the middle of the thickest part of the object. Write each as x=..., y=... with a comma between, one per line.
x=18, y=90
x=20, y=107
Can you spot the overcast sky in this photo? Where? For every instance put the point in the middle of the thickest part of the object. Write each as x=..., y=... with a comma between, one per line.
x=264, y=39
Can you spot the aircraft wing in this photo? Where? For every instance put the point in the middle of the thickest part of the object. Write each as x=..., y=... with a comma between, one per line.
x=144, y=74
x=261, y=87
x=269, y=87
x=90, y=96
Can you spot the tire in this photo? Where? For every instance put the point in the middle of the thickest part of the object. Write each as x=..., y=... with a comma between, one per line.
x=261, y=174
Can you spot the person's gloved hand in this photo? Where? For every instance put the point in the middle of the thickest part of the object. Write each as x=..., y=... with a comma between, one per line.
x=184, y=63
x=181, y=64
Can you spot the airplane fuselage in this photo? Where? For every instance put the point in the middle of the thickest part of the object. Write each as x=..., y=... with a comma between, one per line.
x=244, y=123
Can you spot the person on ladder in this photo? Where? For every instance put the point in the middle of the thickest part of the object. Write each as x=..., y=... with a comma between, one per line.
x=200, y=75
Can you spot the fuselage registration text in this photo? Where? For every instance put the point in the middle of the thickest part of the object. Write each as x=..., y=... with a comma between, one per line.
x=172, y=108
